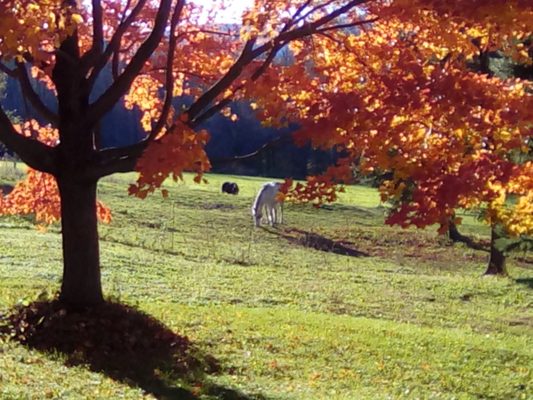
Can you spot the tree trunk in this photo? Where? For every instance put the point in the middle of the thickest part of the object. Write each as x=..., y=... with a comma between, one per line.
x=453, y=232
x=497, y=258
x=81, y=286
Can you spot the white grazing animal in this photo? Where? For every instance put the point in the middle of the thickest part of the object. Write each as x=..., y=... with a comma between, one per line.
x=266, y=200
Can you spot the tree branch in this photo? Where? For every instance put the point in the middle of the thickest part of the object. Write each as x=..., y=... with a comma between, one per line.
x=349, y=25
x=313, y=10
x=114, y=65
x=273, y=143
x=249, y=54
x=169, y=74
x=98, y=34
x=8, y=71
x=124, y=159
x=226, y=101
x=300, y=9
x=114, y=44
x=126, y=164
x=262, y=68
x=223, y=83
x=120, y=86
x=212, y=110
x=115, y=159
x=34, y=153
x=184, y=72
x=32, y=96
x=211, y=32
x=333, y=39
x=307, y=29
x=98, y=29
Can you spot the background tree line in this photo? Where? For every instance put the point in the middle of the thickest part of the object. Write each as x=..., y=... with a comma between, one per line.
x=243, y=146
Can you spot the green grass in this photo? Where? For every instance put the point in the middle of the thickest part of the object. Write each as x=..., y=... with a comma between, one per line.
x=332, y=305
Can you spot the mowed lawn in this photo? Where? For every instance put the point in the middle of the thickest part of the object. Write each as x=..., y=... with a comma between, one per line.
x=331, y=305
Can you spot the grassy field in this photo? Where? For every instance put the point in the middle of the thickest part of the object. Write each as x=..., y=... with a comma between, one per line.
x=331, y=305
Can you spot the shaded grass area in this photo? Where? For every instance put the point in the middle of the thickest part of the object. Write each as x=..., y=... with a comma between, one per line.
x=117, y=341
x=123, y=343
x=331, y=305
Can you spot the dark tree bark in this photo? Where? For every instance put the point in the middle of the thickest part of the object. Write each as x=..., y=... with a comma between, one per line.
x=497, y=260
x=81, y=264
x=81, y=285
x=453, y=232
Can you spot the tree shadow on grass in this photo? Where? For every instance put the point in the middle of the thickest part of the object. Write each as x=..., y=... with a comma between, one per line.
x=123, y=343
x=319, y=242
x=525, y=281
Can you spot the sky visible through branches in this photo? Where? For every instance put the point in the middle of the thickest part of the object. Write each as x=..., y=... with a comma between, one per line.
x=233, y=11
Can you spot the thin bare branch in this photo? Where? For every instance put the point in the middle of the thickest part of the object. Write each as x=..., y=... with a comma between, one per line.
x=210, y=32
x=312, y=11
x=344, y=26
x=333, y=39
x=213, y=110
x=301, y=8
x=126, y=164
x=115, y=65
x=293, y=20
x=125, y=12
x=184, y=72
x=29, y=93
x=263, y=67
x=286, y=138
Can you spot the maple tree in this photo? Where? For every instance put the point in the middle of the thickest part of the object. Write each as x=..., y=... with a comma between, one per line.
x=379, y=80
x=448, y=136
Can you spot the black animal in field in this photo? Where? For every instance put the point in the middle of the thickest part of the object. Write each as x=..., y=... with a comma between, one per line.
x=5, y=189
x=230, y=188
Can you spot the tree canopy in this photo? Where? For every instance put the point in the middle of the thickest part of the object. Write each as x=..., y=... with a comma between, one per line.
x=449, y=135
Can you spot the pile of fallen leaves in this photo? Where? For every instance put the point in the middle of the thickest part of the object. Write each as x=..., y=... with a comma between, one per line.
x=115, y=338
